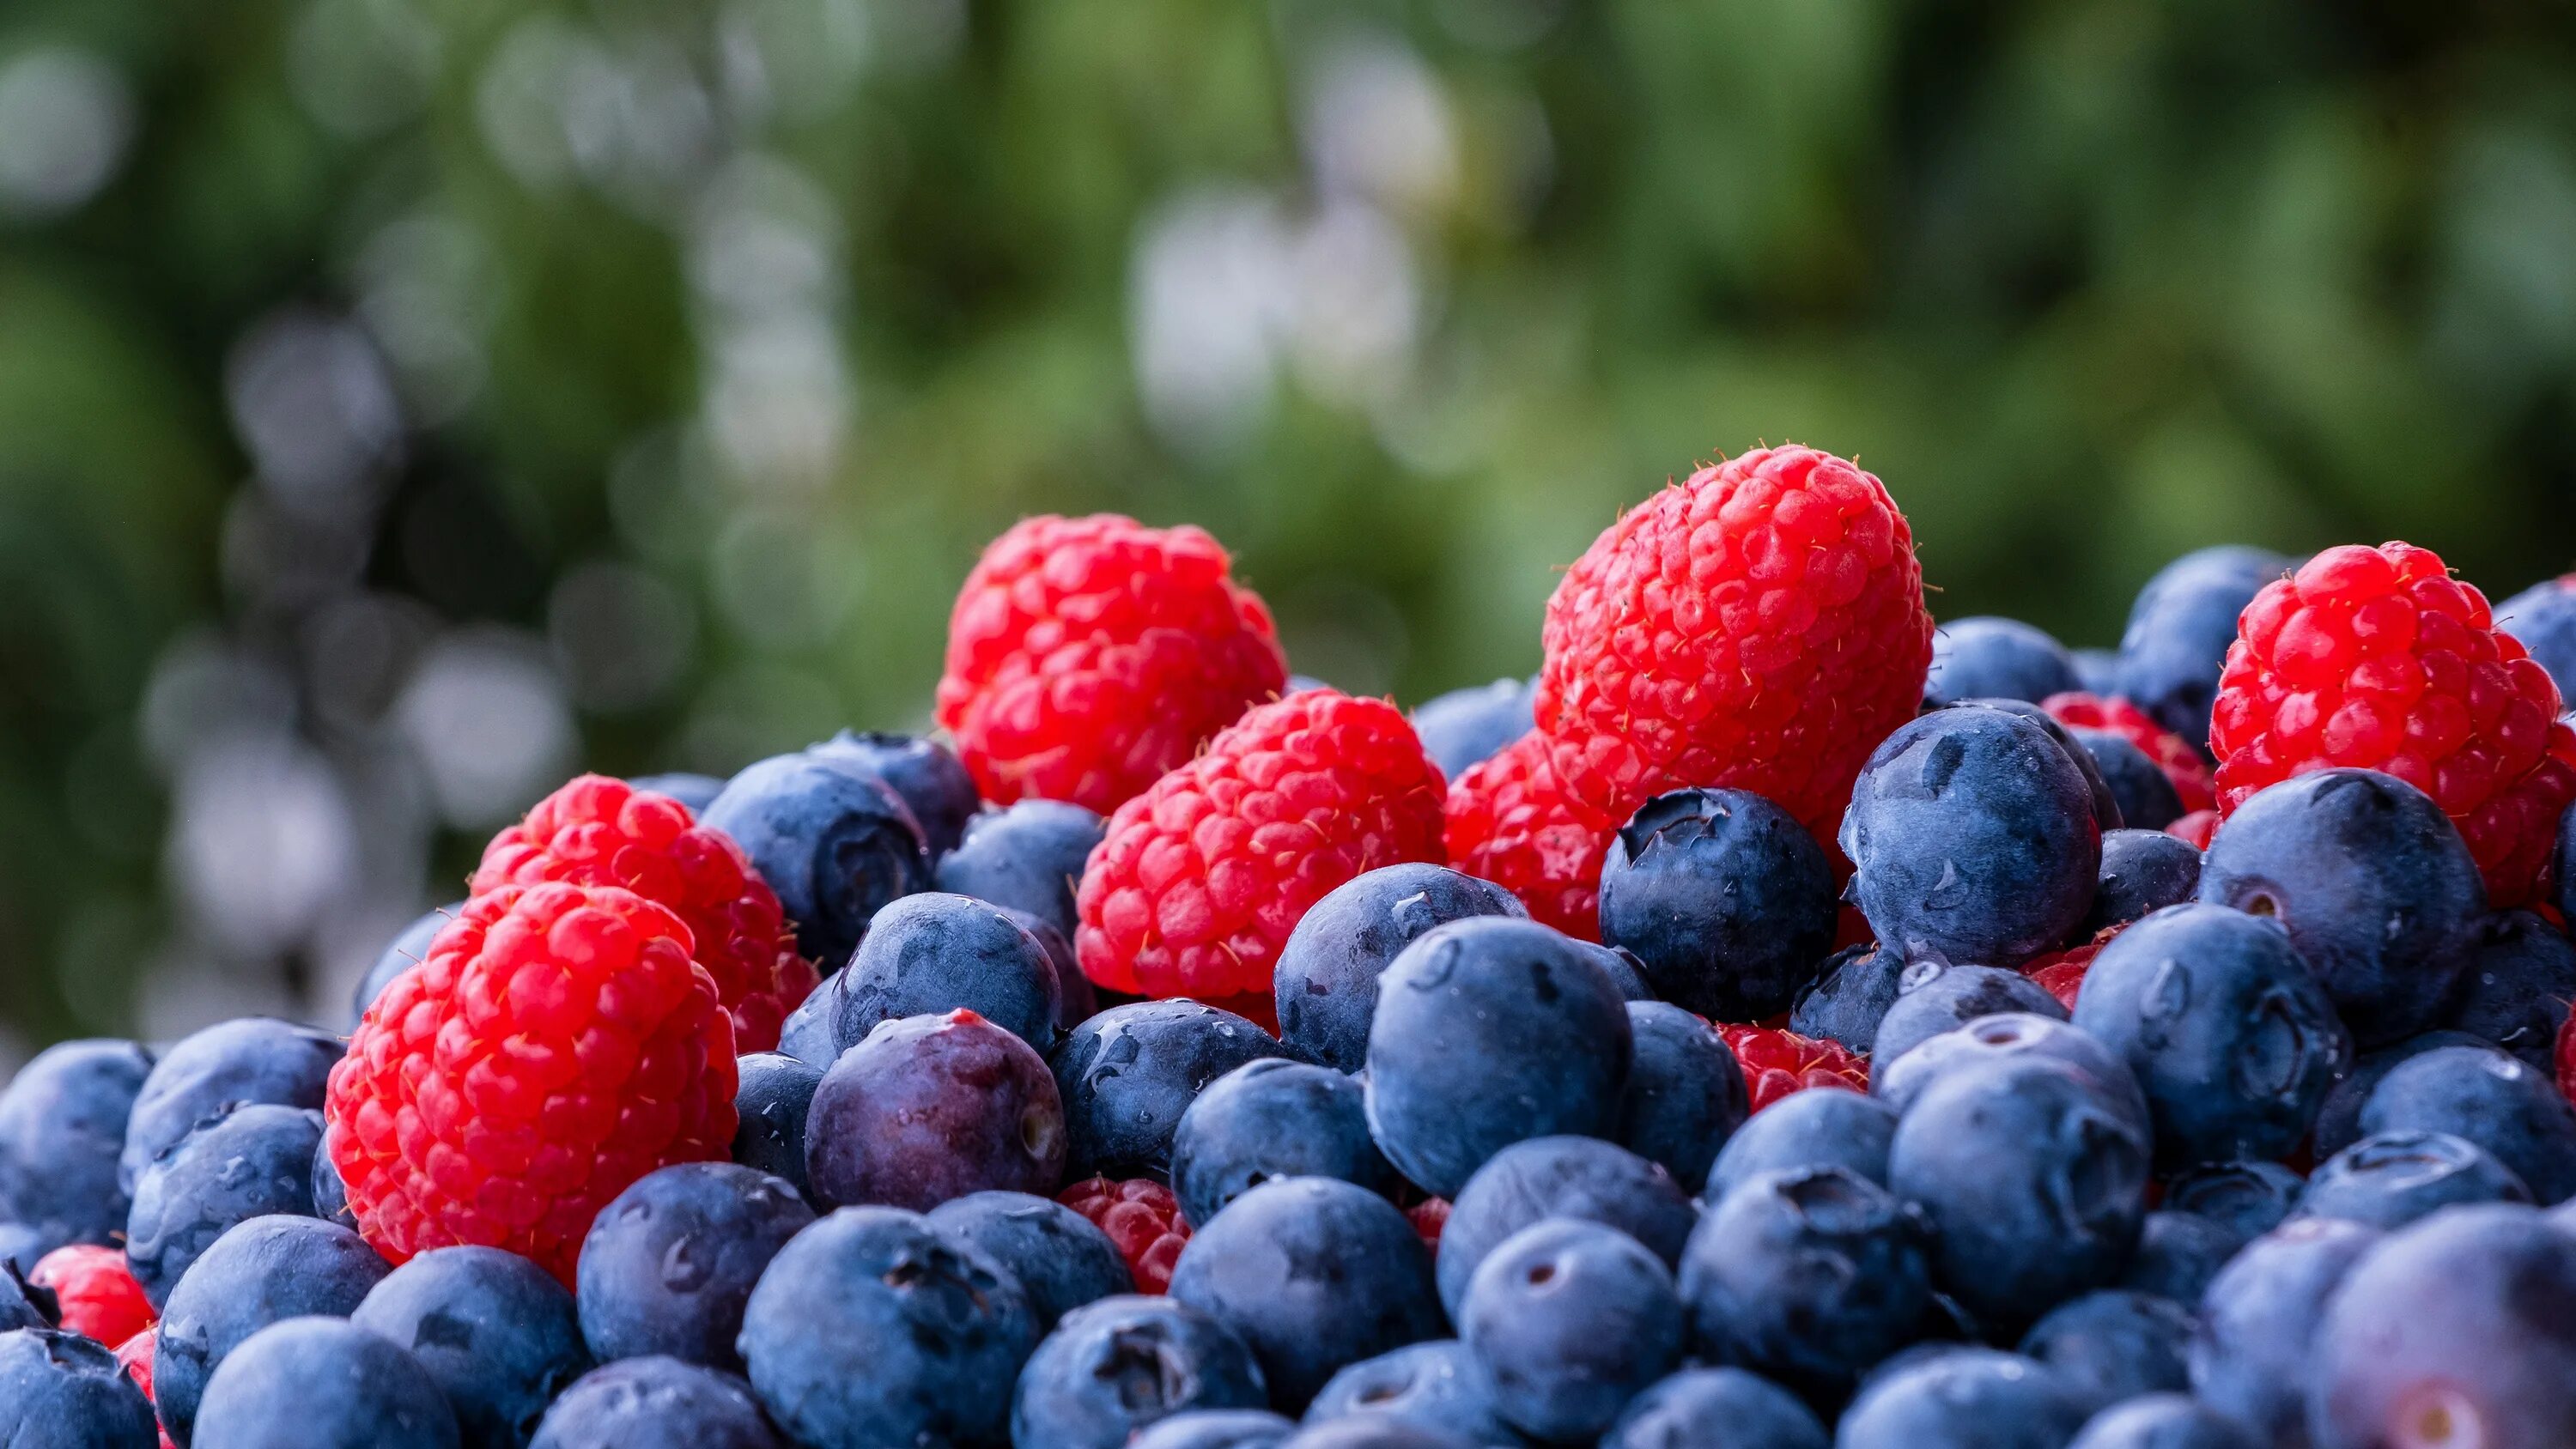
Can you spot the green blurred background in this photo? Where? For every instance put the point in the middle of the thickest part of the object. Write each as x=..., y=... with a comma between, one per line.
x=405, y=402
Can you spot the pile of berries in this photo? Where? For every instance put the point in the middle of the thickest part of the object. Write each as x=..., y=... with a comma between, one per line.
x=1780, y=1024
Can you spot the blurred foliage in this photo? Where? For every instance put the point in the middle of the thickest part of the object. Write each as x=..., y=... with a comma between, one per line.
x=656, y=367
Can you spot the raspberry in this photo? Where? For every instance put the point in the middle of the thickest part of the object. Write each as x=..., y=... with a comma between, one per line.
x=134, y=1355
x=1777, y=1061
x=1760, y=627
x=98, y=1293
x=2197, y=827
x=1509, y=823
x=599, y=831
x=1198, y=881
x=2567, y=1058
x=1430, y=1218
x=2061, y=973
x=1142, y=1217
x=1086, y=656
x=2378, y=658
x=556, y=1044
x=2181, y=763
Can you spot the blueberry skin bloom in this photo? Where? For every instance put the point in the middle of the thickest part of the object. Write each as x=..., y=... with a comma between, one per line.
x=923, y=773
x=2035, y=1184
x=497, y=1333
x=2520, y=977
x=2115, y=1345
x=2250, y=1358
x=1561, y=1177
x=2142, y=871
x=2379, y=893
x=1974, y=839
x=1726, y=900
x=2490, y=1098
x=2175, y=646
x=62, y=1129
x=1061, y=1258
x=2455, y=1325
x=2394, y=1178
x=2164, y=1421
x=263, y=1272
x=670, y=1262
x=1028, y=856
x=1933, y=997
x=1326, y=982
x=1489, y=1032
x=1115, y=1366
x=656, y=1403
x=320, y=1383
x=834, y=841
x=936, y=952
x=1216, y=1429
x=1128, y=1074
x=61, y=1391
x=248, y=1163
x=1817, y=1127
x=1720, y=1406
x=1315, y=1274
x=1570, y=1320
x=1466, y=727
x=2229, y=1032
x=248, y=1059
x=1267, y=1119
x=2001, y=1037
x=1808, y=1276
x=1986, y=657
x=1686, y=1093
x=1963, y=1398
x=773, y=1095
x=934, y=1107
x=1437, y=1385
x=870, y=1329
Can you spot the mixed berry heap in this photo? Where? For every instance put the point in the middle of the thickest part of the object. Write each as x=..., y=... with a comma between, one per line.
x=1764, y=1030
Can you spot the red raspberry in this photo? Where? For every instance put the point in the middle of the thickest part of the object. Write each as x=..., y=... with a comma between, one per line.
x=2061, y=973
x=134, y=1355
x=1509, y=823
x=1142, y=1218
x=555, y=1044
x=1086, y=656
x=1777, y=1061
x=99, y=1297
x=2197, y=827
x=1430, y=1218
x=599, y=831
x=2181, y=763
x=2378, y=658
x=2567, y=1058
x=1198, y=881
x=1761, y=626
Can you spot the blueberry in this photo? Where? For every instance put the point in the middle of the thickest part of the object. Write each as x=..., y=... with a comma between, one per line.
x=669, y=1263
x=1436, y=1384
x=320, y=1383
x=1726, y=900
x=1849, y=997
x=832, y=840
x=62, y=1129
x=1128, y=1074
x=406, y=951
x=1627, y=974
x=499, y=1336
x=695, y=791
x=2106, y=805
x=1061, y=1259
x=1114, y=1366
x=2164, y=1421
x=934, y=1107
x=871, y=1328
x=22, y=1245
x=2179, y=1253
x=923, y=773
x=1560, y=1177
x=330, y=1193
x=1466, y=727
x=251, y=1059
x=61, y=1391
x=1808, y=1276
x=2520, y=977
x=2394, y=1178
x=1570, y=1320
x=24, y=1304
x=1685, y=1092
x=2380, y=895
x=2542, y=619
x=2493, y=1100
x=1371, y=1431
x=2011, y=1034
x=1490, y=1031
x=2115, y=1345
x=2035, y=1181
x=936, y=952
x=2250, y=1198
x=2457, y=1325
x=2339, y=1120
x=1315, y=1274
x=2565, y=865
x=253, y=1160
x=2250, y=1356
x=772, y=1096
x=1076, y=999
x=1974, y=839
x=1724, y=1407
x=1816, y=1127
x=264, y=1271
x=1216, y=1429
x=656, y=1403
x=1028, y=856
x=806, y=1034
x=1326, y=979
x=1933, y=997
x=1273, y=1118
x=2144, y=792
x=2229, y=1033
x=2099, y=669
x=2142, y=871
x=1990, y=658
x=1963, y=1398
x=2180, y=629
